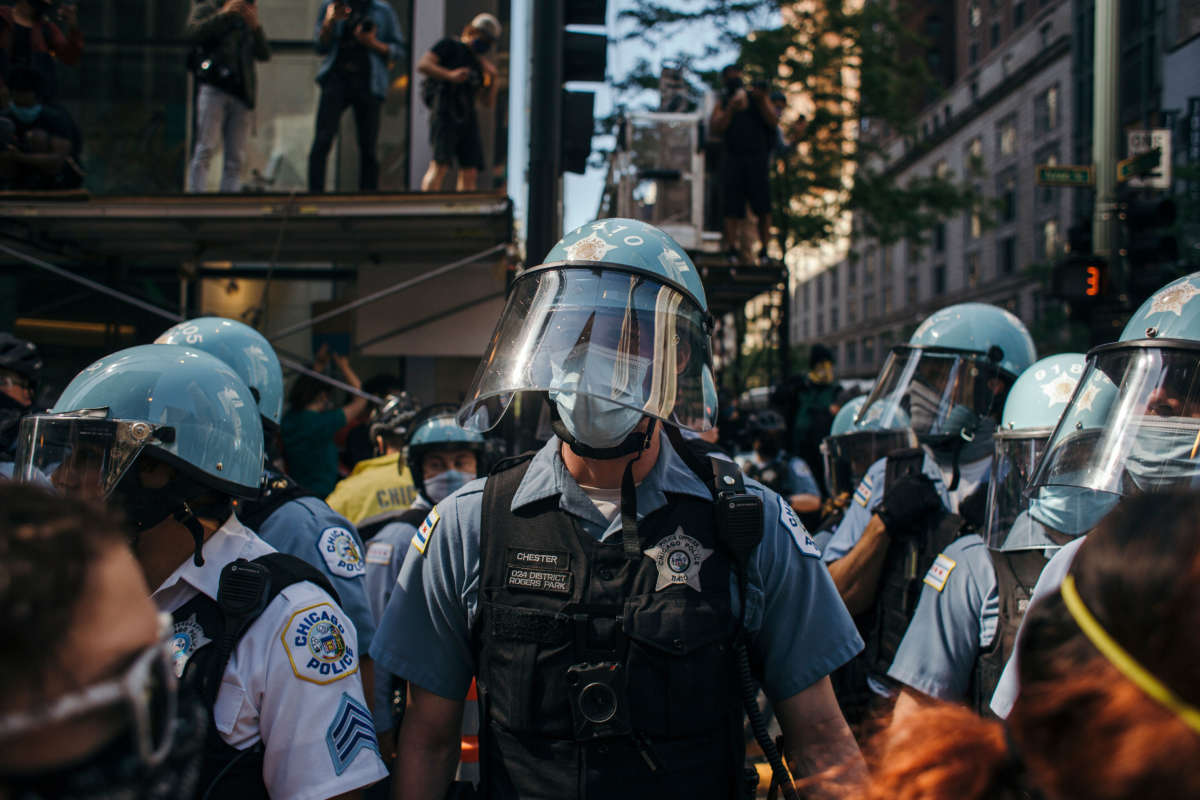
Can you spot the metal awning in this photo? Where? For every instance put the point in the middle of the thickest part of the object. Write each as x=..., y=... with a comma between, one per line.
x=286, y=228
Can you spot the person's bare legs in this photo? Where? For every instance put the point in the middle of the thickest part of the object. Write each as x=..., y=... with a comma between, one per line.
x=434, y=177
x=468, y=179
x=732, y=229
x=764, y=234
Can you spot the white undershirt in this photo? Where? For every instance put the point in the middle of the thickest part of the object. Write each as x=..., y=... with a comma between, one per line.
x=607, y=501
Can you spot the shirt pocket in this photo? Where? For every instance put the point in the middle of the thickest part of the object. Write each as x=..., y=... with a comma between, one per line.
x=229, y=709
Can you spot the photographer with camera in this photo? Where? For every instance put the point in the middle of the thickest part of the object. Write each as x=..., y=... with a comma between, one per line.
x=456, y=75
x=30, y=39
x=227, y=39
x=359, y=38
x=747, y=124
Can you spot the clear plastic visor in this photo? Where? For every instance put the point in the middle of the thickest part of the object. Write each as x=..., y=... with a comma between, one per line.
x=848, y=456
x=1132, y=426
x=1014, y=460
x=937, y=393
x=80, y=456
x=613, y=335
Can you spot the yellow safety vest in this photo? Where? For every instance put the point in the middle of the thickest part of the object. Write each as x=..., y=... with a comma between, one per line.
x=374, y=491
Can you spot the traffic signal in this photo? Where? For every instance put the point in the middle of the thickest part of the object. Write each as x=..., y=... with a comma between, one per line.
x=1081, y=279
x=585, y=59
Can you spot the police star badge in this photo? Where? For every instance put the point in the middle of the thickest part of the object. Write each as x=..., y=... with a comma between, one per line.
x=186, y=638
x=1174, y=299
x=678, y=558
x=590, y=248
x=1059, y=389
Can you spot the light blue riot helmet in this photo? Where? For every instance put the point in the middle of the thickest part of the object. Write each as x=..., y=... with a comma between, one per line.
x=613, y=327
x=245, y=350
x=854, y=444
x=1133, y=425
x=953, y=375
x=843, y=421
x=168, y=403
x=1033, y=408
x=436, y=428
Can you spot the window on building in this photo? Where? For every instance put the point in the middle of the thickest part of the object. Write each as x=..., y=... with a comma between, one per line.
x=994, y=36
x=942, y=168
x=939, y=280
x=851, y=308
x=834, y=322
x=807, y=293
x=1047, y=195
x=1045, y=111
x=888, y=303
x=1051, y=244
x=974, y=14
x=851, y=353
x=1006, y=196
x=971, y=270
x=1006, y=255
x=868, y=351
x=974, y=156
x=975, y=84
x=1006, y=136
x=820, y=291
x=911, y=289
x=939, y=238
x=972, y=60
x=868, y=306
x=1018, y=14
x=833, y=283
x=852, y=275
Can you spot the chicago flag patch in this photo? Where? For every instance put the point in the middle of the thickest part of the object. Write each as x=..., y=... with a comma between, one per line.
x=939, y=571
x=421, y=537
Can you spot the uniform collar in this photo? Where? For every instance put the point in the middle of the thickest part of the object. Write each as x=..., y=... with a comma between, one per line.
x=232, y=541
x=547, y=477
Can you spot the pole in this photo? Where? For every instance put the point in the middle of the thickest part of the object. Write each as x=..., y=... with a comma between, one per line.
x=545, y=129
x=1104, y=129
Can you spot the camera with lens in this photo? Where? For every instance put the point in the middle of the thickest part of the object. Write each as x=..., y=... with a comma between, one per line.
x=599, y=708
x=359, y=15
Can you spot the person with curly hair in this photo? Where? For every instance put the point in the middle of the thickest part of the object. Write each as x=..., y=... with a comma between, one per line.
x=1110, y=695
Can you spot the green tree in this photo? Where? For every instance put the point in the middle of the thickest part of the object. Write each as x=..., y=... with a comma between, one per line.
x=859, y=68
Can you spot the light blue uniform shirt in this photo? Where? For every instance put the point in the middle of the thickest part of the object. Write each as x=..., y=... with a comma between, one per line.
x=1048, y=583
x=309, y=529
x=799, y=478
x=953, y=625
x=385, y=554
x=796, y=620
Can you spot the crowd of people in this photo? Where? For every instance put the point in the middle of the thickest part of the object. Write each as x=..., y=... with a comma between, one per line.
x=995, y=600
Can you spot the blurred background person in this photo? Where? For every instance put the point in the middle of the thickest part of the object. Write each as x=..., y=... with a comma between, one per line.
x=312, y=421
x=90, y=706
x=20, y=367
x=1109, y=706
x=359, y=39
x=31, y=37
x=228, y=39
x=380, y=489
x=457, y=75
x=809, y=402
x=40, y=144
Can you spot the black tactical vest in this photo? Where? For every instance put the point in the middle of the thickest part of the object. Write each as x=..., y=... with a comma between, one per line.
x=600, y=676
x=883, y=626
x=1016, y=575
x=200, y=625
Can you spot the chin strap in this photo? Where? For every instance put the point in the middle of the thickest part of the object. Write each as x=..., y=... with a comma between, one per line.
x=633, y=443
x=187, y=518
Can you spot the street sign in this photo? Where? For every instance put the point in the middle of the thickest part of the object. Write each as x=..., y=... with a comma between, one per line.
x=1143, y=142
x=1137, y=165
x=1065, y=175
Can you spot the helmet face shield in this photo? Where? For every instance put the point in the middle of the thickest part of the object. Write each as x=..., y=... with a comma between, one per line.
x=84, y=456
x=938, y=393
x=614, y=335
x=1014, y=460
x=1133, y=424
x=848, y=456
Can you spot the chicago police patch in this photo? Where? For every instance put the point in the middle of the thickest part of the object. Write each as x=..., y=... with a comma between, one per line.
x=789, y=520
x=350, y=732
x=421, y=537
x=186, y=638
x=318, y=646
x=341, y=553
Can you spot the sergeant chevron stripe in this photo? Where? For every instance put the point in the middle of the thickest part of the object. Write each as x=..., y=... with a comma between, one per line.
x=351, y=730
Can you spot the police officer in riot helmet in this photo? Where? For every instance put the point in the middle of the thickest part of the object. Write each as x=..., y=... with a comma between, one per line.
x=1132, y=427
x=593, y=587
x=948, y=384
x=20, y=367
x=171, y=436
x=284, y=514
x=975, y=594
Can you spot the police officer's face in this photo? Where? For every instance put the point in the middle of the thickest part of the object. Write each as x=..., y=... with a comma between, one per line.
x=115, y=620
x=79, y=475
x=439, y=461
x=17, y=388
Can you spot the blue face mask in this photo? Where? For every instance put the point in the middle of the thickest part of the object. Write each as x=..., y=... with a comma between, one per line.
x=1071, y=509
x=595, y=422
x=26, y=114
x=444, y=484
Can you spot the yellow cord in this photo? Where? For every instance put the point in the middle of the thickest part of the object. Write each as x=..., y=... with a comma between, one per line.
x=1126, y=664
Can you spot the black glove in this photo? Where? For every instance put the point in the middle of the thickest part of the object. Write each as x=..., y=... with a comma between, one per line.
x=907, y=504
